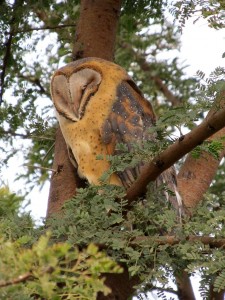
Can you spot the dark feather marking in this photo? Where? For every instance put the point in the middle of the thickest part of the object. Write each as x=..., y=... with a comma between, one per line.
x=107, y=132
x=134, y=120
x=122, y=128
x=114, y=123
x=130, y=117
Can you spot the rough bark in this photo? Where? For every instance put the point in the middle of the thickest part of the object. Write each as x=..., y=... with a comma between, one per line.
x=96, y=29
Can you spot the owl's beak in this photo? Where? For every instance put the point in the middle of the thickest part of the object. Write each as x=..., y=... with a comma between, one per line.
x=75, y=109
x=75, y=101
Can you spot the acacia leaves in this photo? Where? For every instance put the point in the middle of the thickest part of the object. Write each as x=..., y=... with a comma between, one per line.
x=57, y=271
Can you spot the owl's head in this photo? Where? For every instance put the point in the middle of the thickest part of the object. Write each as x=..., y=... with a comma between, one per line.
x=73, y=85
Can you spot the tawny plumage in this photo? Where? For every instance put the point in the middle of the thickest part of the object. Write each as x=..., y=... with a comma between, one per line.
x=98, y=106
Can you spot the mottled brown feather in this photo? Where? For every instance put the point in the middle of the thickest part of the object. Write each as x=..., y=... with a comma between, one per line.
x=129, y=120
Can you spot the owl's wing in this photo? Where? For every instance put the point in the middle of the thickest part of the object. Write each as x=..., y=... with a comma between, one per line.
x=128, y=122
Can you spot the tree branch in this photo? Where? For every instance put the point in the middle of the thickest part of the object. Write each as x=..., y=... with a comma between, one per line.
x=213, y=123
x=36, y=81
x=196, y=175
x=20, y=279
x=24, y=277
x=25, y=136
x=8, y=45
x=167, y=290
x=40, y=167
x=173, y=240
x=145, y=66
x=6, y=58
x=41, y=28
x=215, y=295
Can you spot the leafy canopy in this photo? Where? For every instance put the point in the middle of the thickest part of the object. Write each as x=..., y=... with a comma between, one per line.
x=36, y=38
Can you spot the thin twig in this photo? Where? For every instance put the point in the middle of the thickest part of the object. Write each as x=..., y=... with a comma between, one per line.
x=20, y=279
x=24, y=277
x=49, y=150
x=25, y=136
x=40, y=167
x=8, y=45
x=41, y=28
x=173, y=240
x=35, y=81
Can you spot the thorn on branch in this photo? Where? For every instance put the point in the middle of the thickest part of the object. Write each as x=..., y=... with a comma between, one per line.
x=211, y=128
x=181, y=138
x=159, y=163
x=59, y=169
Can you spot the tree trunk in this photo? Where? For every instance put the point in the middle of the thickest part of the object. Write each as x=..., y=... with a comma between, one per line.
x=96, y=29
x=64, y=180
x=95, y=37
x=196, y=175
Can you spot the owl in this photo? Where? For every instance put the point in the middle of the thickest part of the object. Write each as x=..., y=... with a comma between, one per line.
x=99, y=106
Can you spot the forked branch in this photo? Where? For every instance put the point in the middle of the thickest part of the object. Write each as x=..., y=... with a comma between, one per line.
x=213, y=123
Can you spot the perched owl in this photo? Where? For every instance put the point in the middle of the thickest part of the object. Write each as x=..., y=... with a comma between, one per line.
x=98, y=105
